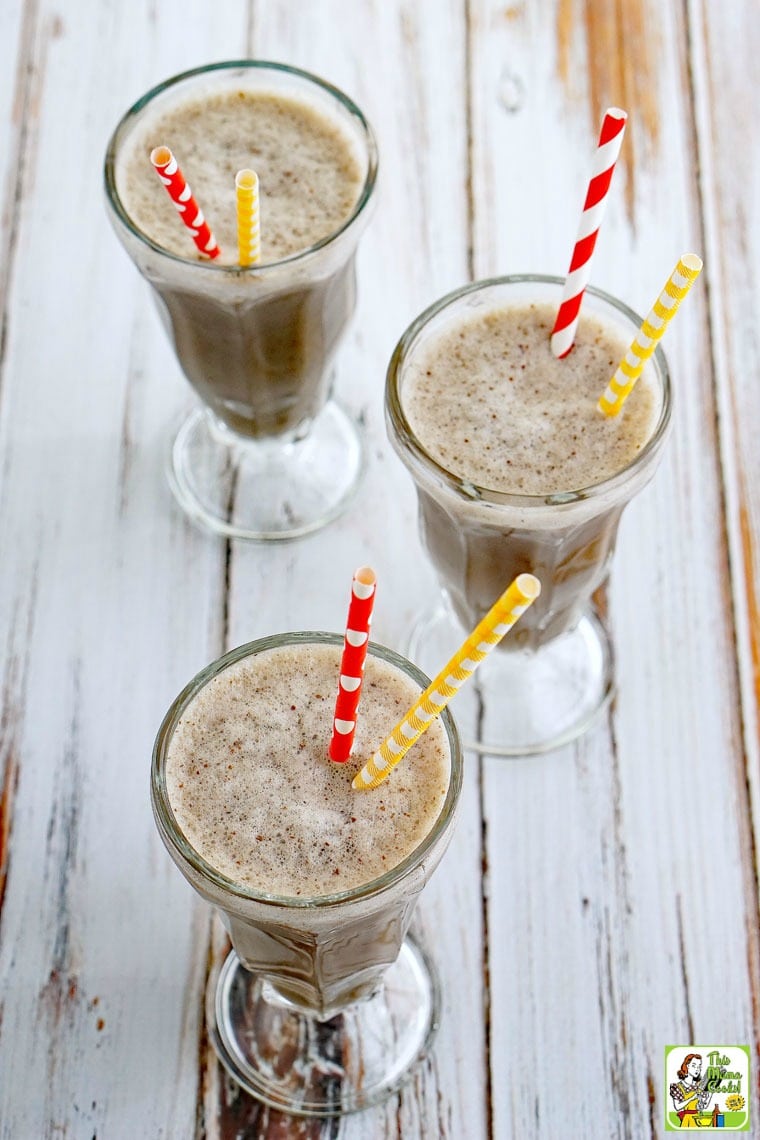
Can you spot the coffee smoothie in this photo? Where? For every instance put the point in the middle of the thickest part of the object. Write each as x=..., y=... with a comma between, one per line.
x=516, y=469
x=256, y=343
x=253, y=791
x=315, y=882
x=490, y=401
x=310, y=174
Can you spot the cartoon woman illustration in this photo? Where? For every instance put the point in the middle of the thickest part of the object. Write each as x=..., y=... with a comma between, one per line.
x=689, y=1097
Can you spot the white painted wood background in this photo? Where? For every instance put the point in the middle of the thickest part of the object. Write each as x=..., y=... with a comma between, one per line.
x=596, y=904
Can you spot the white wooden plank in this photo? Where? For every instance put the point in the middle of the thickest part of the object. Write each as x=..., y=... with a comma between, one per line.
x=18, y=30
x=108, y=602
x=725, y=87
x=17, y=24
x=595, y=880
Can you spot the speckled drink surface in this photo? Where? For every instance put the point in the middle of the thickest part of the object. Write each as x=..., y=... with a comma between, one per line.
x=309, y=174
x=489, y=402
x=253, y=790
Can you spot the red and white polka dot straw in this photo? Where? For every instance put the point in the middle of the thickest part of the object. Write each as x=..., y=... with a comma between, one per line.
x=168, y=171
x=607, y=151
x=352, y=663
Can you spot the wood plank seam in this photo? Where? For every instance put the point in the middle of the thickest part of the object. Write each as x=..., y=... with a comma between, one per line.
x=12, y=713
x=470, y=260
x=485, y=926
x=684, y=969
x=250, y=29
x=468, y=112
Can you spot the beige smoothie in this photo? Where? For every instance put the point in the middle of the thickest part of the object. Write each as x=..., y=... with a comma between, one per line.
x=257, y=344
x=516, y=469
x=490, y=401
x=254, y=792
x=309, y=172
x=315, y=882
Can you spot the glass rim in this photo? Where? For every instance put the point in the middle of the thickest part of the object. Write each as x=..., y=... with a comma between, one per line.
x=116, y=204
x=173, y=835
x=405, y=434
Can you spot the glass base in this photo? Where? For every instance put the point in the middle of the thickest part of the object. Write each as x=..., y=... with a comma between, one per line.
x=296, y=1062
x=522, y=702
x=270, y=489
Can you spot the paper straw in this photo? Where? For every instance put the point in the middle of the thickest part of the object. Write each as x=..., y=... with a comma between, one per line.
x=665, y=307
x=607, y=151
x=486, y=635
x=352, y=663
x=181, y=195
x=248, y=228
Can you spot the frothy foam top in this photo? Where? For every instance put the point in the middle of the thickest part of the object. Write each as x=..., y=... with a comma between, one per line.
x=309, y=173
x=253, y=790
x=489, y=401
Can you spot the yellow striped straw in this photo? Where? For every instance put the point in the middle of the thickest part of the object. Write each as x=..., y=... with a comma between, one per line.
x=486, y=636
x=249, y=231
x=665, y=307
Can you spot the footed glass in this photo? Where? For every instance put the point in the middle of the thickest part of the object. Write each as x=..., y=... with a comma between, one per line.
x=269, y=454
x=324, y=1005
x=553, y=675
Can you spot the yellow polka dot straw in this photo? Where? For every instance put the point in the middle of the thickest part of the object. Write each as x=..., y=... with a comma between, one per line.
x=486, y=636
x=248, y=227
x=665, y=307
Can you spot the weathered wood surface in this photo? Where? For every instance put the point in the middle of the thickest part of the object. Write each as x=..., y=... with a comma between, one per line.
x=640, y=807
x=596, y=904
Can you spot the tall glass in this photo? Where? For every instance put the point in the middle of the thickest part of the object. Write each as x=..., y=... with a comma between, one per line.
x=270, y=455
x=325, y=1004
x=554, y=673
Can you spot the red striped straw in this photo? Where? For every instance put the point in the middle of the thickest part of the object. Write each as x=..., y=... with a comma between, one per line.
x=181, y=195
x=352, y=663
x=607, y=151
